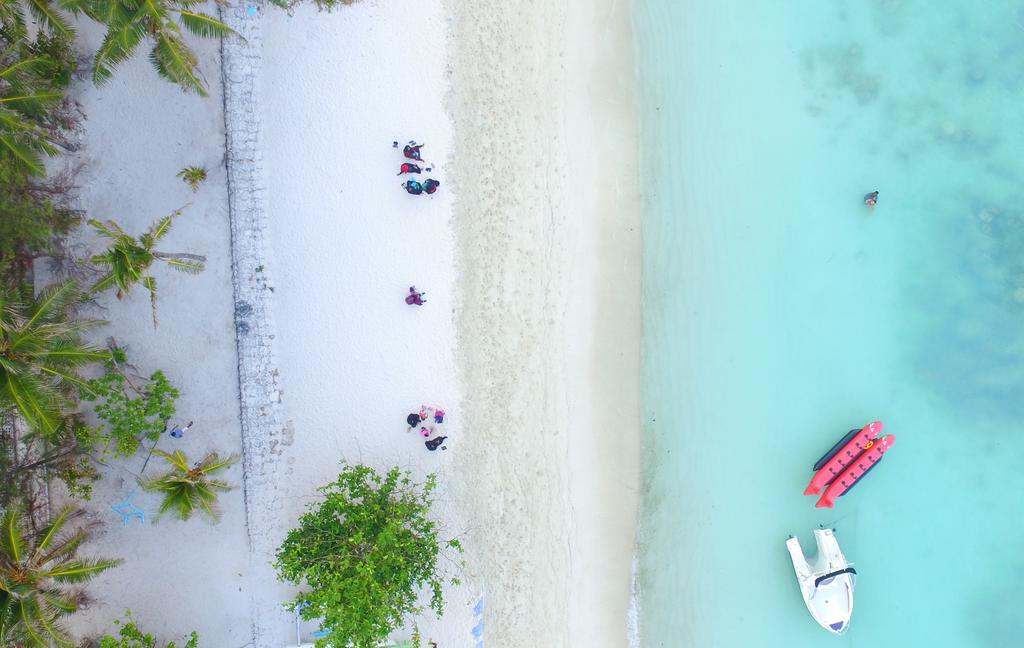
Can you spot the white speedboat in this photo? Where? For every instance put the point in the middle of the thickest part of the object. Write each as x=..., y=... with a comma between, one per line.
x=826, y=583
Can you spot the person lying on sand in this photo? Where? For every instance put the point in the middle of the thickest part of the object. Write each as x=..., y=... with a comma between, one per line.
x=412, y=150
x=409, y=167
x=436, y=442
x=431, y=185
x=413, y=187
x=415, y=297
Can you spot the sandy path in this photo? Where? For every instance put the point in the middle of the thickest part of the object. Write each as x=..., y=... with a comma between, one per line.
x=140, y=132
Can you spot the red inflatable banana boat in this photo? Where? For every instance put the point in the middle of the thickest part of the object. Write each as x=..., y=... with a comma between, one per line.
x=842, y=455
x=860, y=467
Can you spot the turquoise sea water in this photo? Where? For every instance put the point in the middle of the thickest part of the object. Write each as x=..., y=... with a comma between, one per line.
x=780, y=312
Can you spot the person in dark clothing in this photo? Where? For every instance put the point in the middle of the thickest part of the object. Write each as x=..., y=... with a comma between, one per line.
x=436, y=442
x=415, y=297
x=413, y=187
x=431, y=185
x=409, y=167
x=412, y=150
x=413, y=420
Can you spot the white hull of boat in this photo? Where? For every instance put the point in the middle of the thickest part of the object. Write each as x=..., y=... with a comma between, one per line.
x=827, y=583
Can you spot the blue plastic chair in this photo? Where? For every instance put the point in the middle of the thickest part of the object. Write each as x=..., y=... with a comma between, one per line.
x=127, y=510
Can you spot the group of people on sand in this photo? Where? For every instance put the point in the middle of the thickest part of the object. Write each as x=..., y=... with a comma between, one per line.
x=411, y=151
x=428, y=419
x=426, y=422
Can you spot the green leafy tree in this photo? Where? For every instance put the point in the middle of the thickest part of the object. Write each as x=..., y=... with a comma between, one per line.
x=130, y=636
x=193, y=176
x=365, y=553
x=188, y=489
x=36, y=569
x=160, y=22
x=129, y=259
x=40, y=354
x=132, y=409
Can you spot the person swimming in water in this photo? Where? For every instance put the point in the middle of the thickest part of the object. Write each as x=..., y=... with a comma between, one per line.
x=431, y=185
x=413, y=187
x=871, y=199
x=408, y=167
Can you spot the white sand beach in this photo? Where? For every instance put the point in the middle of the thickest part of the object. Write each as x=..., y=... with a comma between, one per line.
x=529, y=257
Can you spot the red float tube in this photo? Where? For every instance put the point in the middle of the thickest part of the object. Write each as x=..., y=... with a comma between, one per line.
x=860, y=467
x=843, y=458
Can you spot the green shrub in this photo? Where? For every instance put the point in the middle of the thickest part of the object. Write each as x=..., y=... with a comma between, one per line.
x=365, y=552
x=130, y=636
x=132, y=409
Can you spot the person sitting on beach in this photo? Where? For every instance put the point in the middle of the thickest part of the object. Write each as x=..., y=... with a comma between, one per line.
x=870, y=199
x=413, y=187
x=433, y=444
x=413, y=420
x=408, y=167
x=412, y=150
x=431, y=185
x=415, y=297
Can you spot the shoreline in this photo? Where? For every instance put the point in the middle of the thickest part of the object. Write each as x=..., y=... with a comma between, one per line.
x=549, y=312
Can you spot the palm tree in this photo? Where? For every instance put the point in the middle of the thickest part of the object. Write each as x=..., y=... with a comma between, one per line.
x=130, y=258
x=27, y=91
x=35, y=567
x=129, y=22
x=40, y=352
x=187, y=489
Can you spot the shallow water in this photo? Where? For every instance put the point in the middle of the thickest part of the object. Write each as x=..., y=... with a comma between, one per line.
x=780, y=312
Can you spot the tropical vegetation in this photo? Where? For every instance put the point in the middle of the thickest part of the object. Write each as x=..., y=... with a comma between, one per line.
x=131, y=408
x=193, y=176
x=187, y=489
x=34, y=74
x=34, y=218
x=40, y=354
x=37, y=569
x=129, y=635
x=128, y=260
x=364, y=554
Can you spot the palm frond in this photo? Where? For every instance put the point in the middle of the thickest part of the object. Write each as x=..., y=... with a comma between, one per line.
x=176, y=62
x=51, y=531
x=25, y=155
x=123, y=36
x=38, y=404
x=204, y=25
x=12, y=541
x=79, y=571
x=188, y=266
x=53, y=302
x=104, y=283
x=160, y=228
x=49, y=17
x=28, y=67
x=110, y=229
